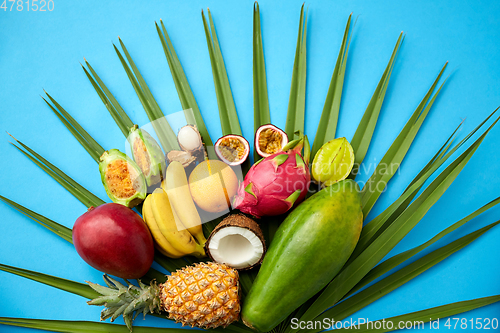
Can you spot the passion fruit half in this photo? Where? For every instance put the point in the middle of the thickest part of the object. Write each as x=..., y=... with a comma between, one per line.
x=232, y=149
x=122, y=178
x=269, y=140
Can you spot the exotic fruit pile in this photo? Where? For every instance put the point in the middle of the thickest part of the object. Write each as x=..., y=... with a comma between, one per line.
x=264, y=241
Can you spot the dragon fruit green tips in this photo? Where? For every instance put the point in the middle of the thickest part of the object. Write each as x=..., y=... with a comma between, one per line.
x=274, y=184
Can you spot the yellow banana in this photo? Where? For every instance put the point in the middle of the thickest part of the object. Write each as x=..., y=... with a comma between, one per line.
x=163, y=214
x=162, y=244
x=177, y=188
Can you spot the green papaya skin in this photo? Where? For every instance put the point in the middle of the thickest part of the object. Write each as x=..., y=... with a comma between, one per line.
x=309, y=249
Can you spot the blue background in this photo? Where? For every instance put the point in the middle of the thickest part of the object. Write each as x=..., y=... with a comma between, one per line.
x=43, y=50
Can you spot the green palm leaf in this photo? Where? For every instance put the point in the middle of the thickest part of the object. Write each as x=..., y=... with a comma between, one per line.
x=60, y=230
x=114, y=108
x=399, y=205
x=87, y=142
x=427, y=315
x=78, y=191
x=227, y=110
x=392, y=159
x=363, y=135
x=67, y=326
x=370, y=231
x=67, y=285
x=260, y=97
x=397, y=279
x=184, y=91
x=297, y=102
x=398, y=259
x=166, y=135
x=381, y=246
x=329, y=117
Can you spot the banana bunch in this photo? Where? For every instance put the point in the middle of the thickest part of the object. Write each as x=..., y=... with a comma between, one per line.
x=171, y=239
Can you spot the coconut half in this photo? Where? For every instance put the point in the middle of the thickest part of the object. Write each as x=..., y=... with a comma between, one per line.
x=238, y=242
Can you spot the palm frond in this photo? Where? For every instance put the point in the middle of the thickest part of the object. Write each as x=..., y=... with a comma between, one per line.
x=400, y=258
x=166, y=136
x=353, y=272
x=327, y=126
x=431, y=314
x=73, y=287
x=121, y=119
x=392, y=159
x=227, y=110
x=78, y=191
x=60, y=230
x=260, y=96
x=87, y=142
x=400, y=277
x=71, y=326
x=363, y=135
x=184, y=91
x=389, y=215
x=297, y=102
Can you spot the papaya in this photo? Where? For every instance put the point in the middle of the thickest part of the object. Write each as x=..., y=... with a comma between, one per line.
x=309, y=248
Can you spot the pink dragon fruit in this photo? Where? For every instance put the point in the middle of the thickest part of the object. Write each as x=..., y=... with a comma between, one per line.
x=274, y=184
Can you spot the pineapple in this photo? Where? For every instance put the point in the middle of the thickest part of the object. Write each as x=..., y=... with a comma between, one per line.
x=205, y=295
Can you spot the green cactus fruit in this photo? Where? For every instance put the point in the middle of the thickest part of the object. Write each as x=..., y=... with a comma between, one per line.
x=333, y=162
x=309, y=249
x=147, y=154
x=122, y=178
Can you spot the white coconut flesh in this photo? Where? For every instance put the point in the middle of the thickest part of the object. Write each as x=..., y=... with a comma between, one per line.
x=237, y=247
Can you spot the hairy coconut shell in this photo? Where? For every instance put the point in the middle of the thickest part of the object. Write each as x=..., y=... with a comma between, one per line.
x=241, y=221
x=183, y=157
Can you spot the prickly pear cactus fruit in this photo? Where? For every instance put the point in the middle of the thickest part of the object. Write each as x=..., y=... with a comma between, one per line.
x=147, y=154
x=122, y=178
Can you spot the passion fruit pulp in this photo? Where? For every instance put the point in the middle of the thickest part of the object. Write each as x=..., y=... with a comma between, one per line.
x=122, y=178
x=269, y=140
x=232, y=149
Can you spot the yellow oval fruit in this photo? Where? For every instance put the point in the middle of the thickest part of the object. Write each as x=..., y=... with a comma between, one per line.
x=213, y=184
x=333, y=162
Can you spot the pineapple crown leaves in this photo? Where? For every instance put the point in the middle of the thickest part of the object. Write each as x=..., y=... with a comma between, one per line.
x=125, y=300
